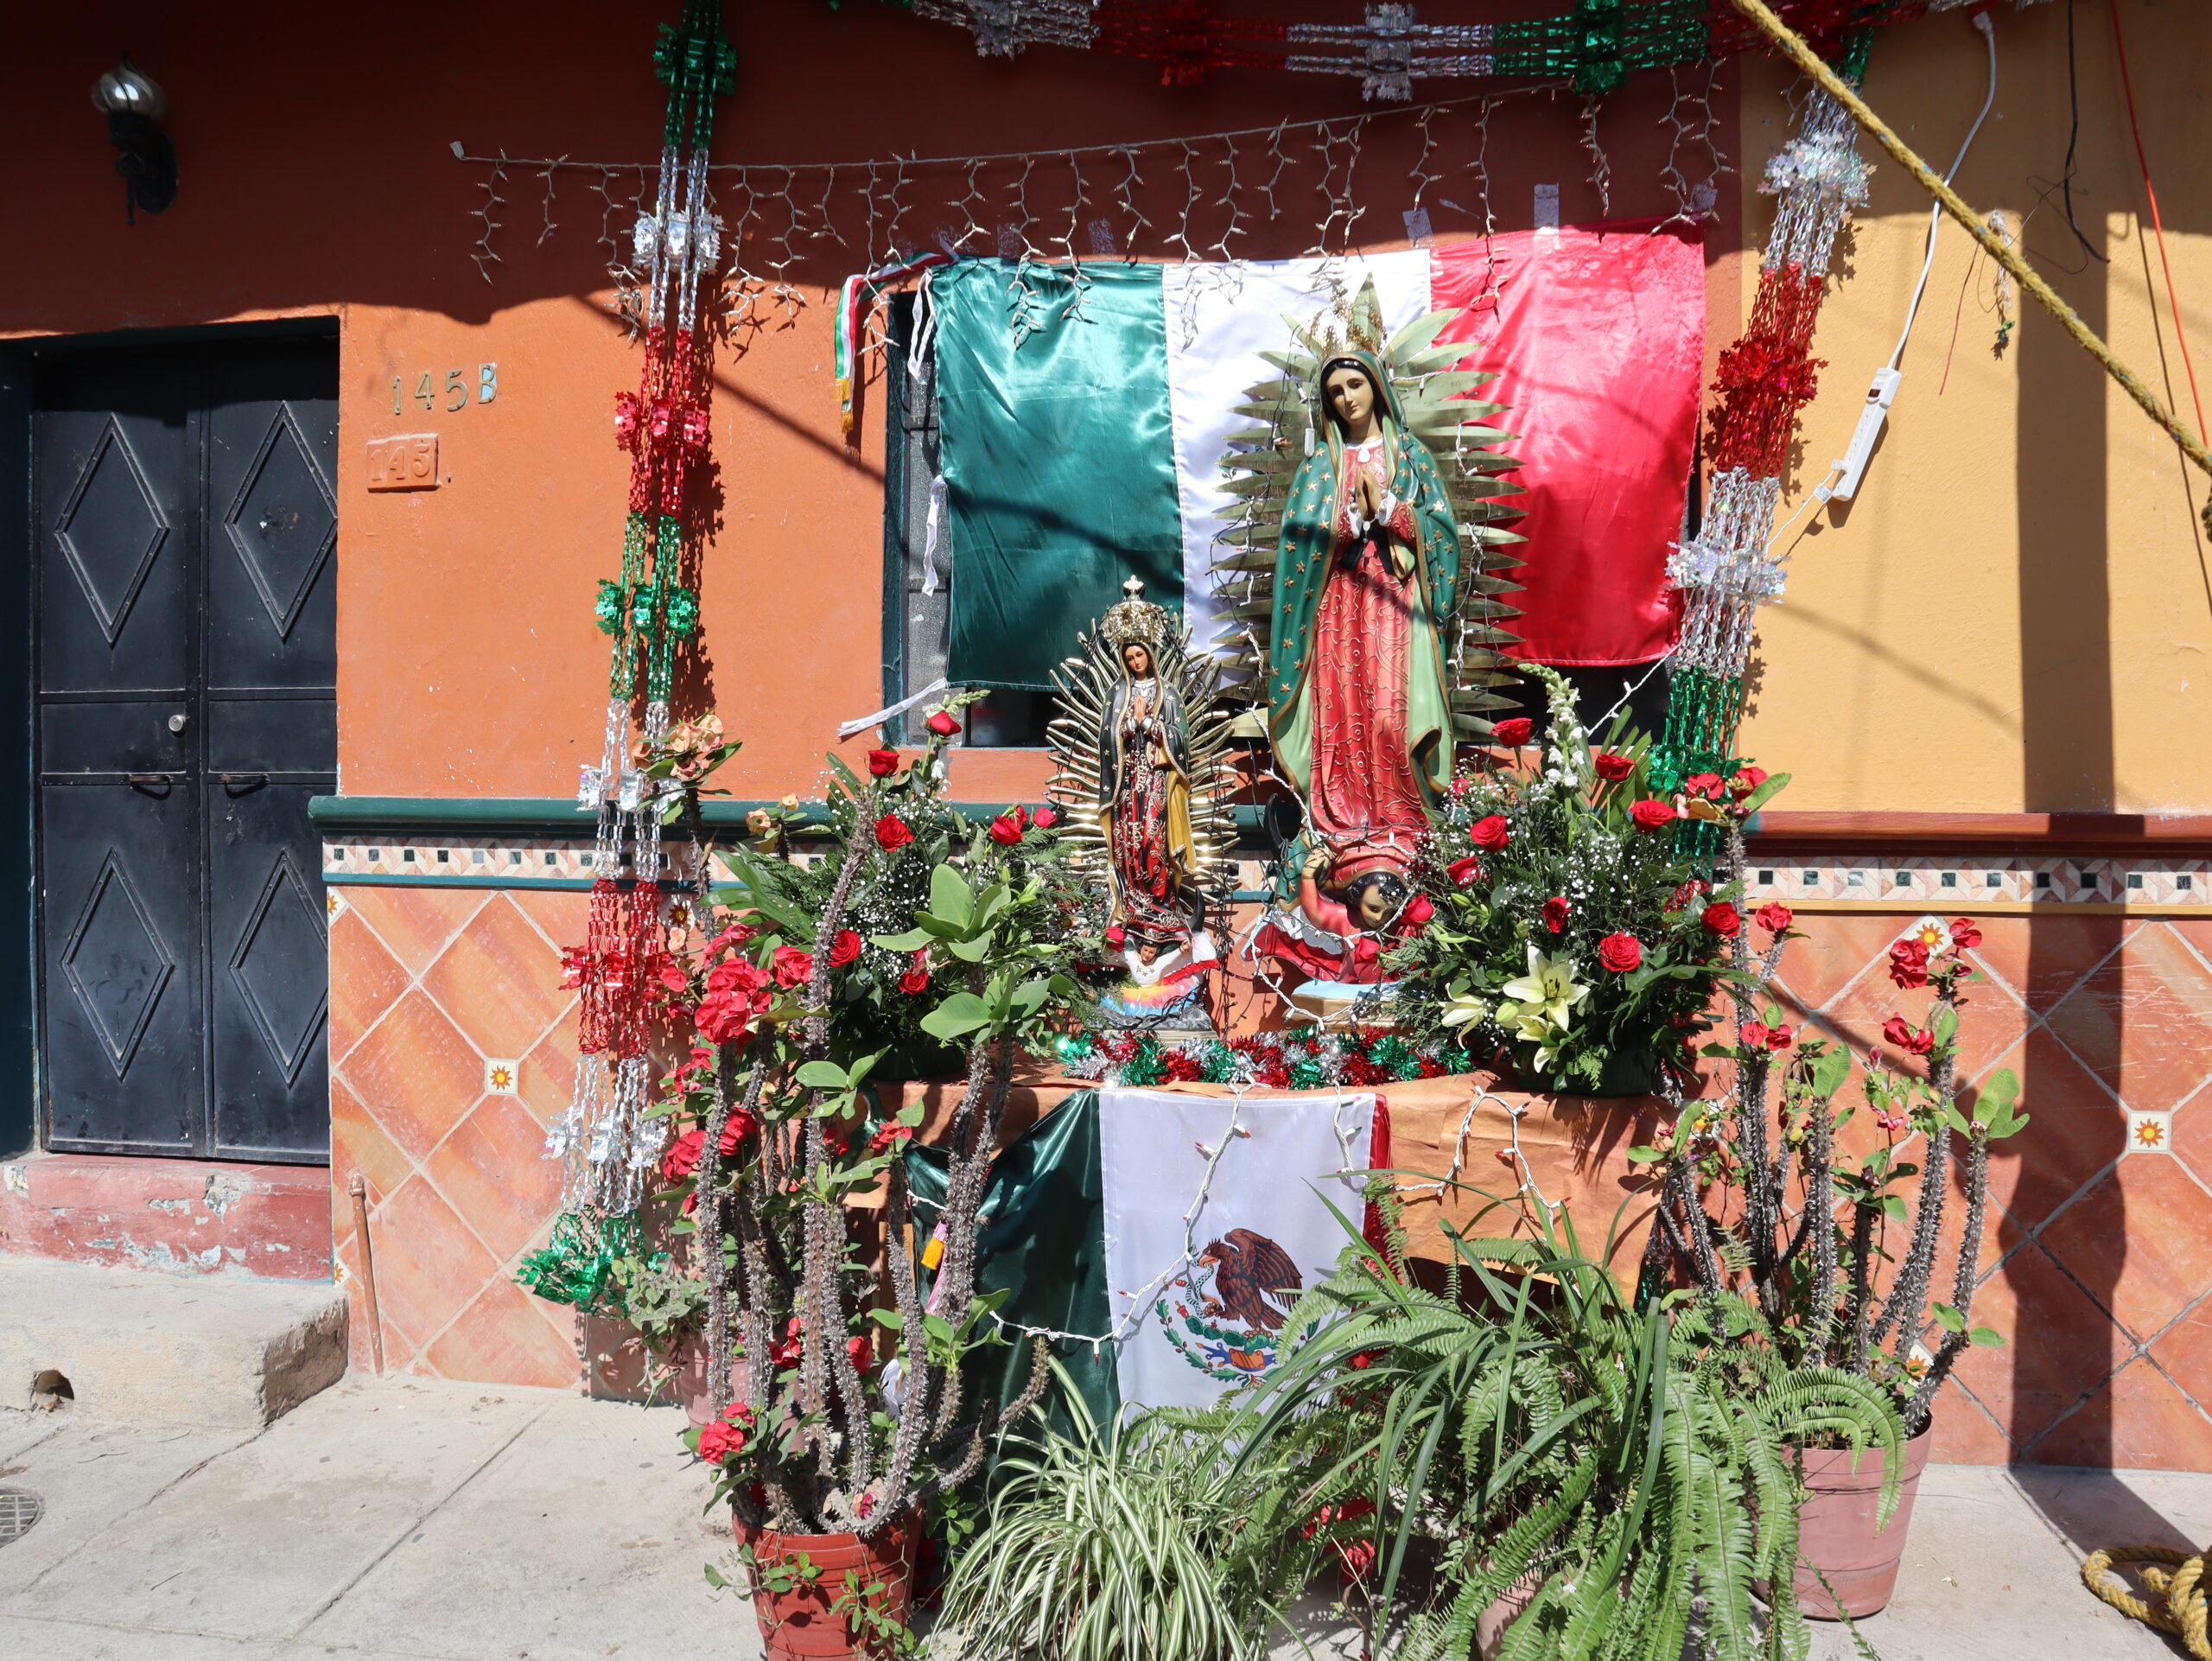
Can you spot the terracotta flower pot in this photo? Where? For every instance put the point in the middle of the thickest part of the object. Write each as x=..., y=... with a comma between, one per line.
x=690, y=1384
x=1836, y=1533
x=800, y=1623
x=1493, y=1624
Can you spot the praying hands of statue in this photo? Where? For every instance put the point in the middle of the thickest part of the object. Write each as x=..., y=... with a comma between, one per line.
x=1370, y=508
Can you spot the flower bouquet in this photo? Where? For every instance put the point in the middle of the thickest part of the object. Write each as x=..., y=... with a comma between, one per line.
x=1570, y=930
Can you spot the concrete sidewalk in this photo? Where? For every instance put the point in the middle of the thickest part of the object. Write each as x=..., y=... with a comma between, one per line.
x=462, y=1523
x=415, y=1519
x=1992, y=1566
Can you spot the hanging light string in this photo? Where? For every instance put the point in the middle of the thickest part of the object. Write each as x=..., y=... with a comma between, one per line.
x=778, y=199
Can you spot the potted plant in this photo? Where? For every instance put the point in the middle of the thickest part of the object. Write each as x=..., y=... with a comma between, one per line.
x=1833, y=1220
x=912, y=925
x=1561, y=921
x=661, y=1296
x=1141, y=1542
x=1572, y=1472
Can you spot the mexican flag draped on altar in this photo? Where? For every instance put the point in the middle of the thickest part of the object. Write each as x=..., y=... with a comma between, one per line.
x=1162, y=1238
x=1083, y=420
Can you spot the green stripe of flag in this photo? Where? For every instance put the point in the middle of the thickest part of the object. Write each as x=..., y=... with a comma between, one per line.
x=1057, y=456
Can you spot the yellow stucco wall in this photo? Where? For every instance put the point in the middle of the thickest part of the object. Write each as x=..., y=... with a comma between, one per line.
x=2015, y=614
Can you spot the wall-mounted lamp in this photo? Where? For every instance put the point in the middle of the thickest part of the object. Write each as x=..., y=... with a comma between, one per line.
x=145, y=157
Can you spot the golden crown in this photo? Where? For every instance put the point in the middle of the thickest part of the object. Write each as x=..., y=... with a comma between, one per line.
x=1136, y=620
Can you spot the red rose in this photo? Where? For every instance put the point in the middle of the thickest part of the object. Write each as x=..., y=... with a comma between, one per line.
x=882, y=764
x=1724, y=920
x=1911, y=1039
x=1651, y=814
x=917, y=977
x=739, y=1125
x=891, y=832
x=1115, y=935
x=1752, y=1034
x=792, y=966
x=1555, y=910
x=1611, y=766
x=1006, y=829
x=1701, y=783
x=1908, y=963
x=1514, y=733
x=684, y=1156
x=1366, y=952
x=1620, y=952
x=1417, y=912
x=857, y=1348
x=1464, y=871
x=1489, y=834
x=1778, y=1038
x=1773, y=917
x=1045, y=817
x=1747, y=779
x=943, y=724
x=1964, y=933
x=844, y=948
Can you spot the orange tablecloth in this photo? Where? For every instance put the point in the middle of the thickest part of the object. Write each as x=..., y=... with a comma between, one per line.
x=1575, y=1149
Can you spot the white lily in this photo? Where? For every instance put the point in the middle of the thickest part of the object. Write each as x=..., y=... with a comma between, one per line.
x=1465, y=1010
x=1549, y=992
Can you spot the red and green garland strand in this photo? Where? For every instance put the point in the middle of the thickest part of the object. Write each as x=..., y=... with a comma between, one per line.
x=607, y=1144
x=1596, y=44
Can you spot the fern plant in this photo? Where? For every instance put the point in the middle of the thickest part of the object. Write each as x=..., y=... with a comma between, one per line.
x=1629, y=1467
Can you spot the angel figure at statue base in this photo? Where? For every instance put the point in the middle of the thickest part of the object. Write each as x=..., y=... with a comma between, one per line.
x=1337, y=941
x=1165, y=990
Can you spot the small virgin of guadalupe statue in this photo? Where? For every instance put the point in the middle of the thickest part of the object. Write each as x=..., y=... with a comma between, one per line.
x=1139, y=744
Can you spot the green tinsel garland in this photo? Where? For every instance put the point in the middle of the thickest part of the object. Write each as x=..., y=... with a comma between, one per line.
x=577, y=1264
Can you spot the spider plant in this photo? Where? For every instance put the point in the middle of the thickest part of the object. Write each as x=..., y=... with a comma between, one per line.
x=1539, y=1430
x=1142, y=1542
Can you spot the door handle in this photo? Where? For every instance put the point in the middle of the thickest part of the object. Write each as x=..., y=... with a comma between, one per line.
x=238, y=784
x=160, y=781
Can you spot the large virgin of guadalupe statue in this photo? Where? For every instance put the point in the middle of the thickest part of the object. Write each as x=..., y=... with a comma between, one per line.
x=1358, y=703
x=1139, y=743
x=1375, y=642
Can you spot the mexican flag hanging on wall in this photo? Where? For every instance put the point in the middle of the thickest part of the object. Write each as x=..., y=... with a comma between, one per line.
x=1165, y=1237
x=1084, y=422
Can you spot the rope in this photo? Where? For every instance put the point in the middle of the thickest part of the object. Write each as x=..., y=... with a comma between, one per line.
x=2181, y=1591
x=1837, y=88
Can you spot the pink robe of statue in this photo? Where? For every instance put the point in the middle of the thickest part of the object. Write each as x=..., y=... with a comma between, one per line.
x=1364, y=799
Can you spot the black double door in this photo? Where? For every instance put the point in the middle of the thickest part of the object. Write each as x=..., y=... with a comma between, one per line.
x=186, y=525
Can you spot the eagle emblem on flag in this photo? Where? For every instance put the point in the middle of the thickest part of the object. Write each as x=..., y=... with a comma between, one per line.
x=1226, y=1315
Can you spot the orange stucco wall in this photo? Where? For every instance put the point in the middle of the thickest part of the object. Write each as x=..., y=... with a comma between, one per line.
x=316, y=178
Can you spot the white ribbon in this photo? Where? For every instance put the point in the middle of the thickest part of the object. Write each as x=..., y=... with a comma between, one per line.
x=848, y=728
x=930, y=583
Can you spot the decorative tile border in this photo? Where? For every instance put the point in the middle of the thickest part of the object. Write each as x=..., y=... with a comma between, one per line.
x=1984, y=882
x=471, y=862
x=1896, y=882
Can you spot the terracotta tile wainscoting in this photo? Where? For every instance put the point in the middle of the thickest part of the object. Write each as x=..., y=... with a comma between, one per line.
x=452, y=1046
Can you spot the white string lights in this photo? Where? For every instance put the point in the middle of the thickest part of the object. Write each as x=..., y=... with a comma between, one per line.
x=869, y=206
